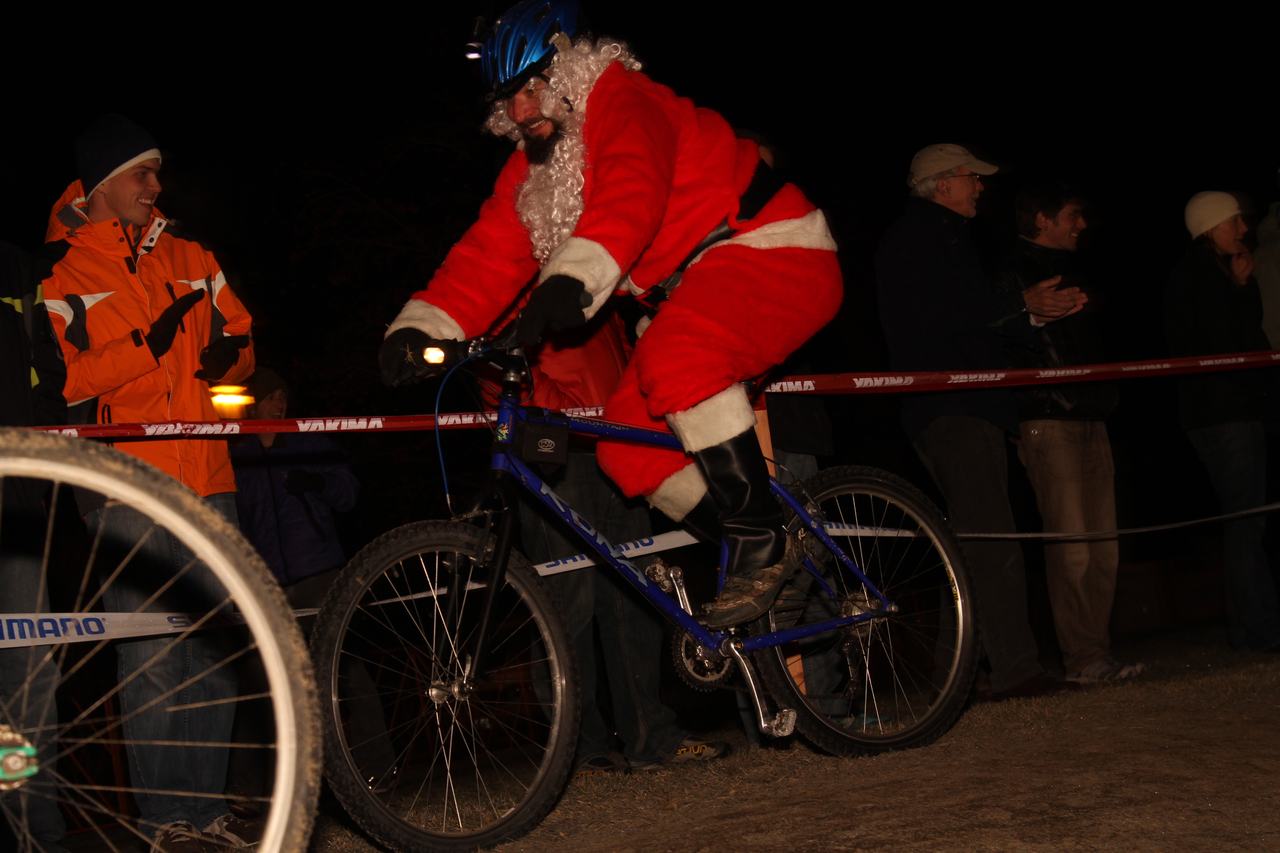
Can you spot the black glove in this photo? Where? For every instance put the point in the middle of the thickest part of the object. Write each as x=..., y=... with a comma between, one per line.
x=298, y=482
x=555, y=305
x=216, y=359
x=401, y=360
x=160, y=336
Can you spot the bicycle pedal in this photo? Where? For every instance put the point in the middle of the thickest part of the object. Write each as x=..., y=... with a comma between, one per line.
x=783, y=723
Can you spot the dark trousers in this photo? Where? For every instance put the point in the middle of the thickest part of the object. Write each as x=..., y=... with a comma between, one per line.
x=1235, y=455
x=592, y=601
x=966, y=457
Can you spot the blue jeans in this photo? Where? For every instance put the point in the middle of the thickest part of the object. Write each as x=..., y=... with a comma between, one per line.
x=187, y=767
x=1235, y=455
x=28, y=682
x=591, y=601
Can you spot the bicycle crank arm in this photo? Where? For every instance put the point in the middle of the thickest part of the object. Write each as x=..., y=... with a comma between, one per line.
x=781, y=724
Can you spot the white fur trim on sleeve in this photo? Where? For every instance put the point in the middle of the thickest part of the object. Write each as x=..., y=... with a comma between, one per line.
x=716, y=419
x=588, y=262
x=677, y=495
x=428, y=319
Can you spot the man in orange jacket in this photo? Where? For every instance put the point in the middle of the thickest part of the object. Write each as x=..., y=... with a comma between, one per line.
x=146, y=322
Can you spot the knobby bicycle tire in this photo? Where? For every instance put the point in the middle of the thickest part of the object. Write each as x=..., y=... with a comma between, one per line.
x=419, y=759
x=901, y=679
x=243, y=621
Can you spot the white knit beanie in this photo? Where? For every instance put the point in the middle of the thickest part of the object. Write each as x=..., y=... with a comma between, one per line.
x=1208, y=209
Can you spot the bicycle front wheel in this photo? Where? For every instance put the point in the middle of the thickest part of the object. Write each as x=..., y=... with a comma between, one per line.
x=143, y=657
x=424, y=751
x=900, y=679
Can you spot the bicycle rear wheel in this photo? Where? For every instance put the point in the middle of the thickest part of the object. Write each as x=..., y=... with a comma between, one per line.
x=901, y=679
x=209, y=622
x=424, y=752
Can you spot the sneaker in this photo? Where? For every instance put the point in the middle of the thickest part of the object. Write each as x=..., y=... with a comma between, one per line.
x=691, y=749
x=602, y=764
x=1106, y=671
x=181, y=837
x=235, y=832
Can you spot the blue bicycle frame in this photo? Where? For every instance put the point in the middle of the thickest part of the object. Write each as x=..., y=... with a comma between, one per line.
x=509, y=467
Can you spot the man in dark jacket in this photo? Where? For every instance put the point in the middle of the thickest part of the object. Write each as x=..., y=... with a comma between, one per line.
x=940, y=312
x=31, y=376
x=1064, y=442
x=288, y=487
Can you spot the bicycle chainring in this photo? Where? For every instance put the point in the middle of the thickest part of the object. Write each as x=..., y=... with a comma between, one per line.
x=700, y=669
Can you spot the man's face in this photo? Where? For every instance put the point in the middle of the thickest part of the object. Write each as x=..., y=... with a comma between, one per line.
x=1228, y=236
x=272, y=406
x=525, y=109
x=131, y=195
x=959, y=192
x=1063, y=230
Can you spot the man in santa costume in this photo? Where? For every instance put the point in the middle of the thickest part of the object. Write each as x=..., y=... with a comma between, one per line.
x=619, y=185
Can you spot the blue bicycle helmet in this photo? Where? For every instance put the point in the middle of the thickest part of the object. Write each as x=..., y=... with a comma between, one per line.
x=519, y=44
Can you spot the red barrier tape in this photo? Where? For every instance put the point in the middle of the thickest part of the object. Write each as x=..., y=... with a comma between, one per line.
x=829, y=383
x=221, y=429
x=915, y=383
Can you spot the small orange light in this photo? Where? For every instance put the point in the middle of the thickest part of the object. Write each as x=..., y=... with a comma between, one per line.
x=433, y=355
x=230, y=401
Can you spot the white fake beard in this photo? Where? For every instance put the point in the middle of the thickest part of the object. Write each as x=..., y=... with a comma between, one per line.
x=549, y=202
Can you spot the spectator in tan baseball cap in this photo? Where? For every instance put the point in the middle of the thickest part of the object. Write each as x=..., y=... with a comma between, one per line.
x=949, y=175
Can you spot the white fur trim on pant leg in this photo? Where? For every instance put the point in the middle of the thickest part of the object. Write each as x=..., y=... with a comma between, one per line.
x=716, y=419
x=677, y=495
x=428, y=319
x=588, y=262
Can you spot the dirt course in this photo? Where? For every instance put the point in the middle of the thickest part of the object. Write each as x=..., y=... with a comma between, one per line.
x=1187, y=757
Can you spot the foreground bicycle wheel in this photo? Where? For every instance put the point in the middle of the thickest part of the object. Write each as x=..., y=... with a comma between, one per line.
x=424, y=752
x=900, y=679
x=208, y=671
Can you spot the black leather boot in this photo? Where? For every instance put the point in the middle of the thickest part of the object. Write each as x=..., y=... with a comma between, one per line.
x=703, y=521
x=751, y=529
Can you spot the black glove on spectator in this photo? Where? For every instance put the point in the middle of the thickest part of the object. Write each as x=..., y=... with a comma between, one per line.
x=400, y=356
x=555, y=305
x=297, y=482
x=160, y=336
x=216, y=359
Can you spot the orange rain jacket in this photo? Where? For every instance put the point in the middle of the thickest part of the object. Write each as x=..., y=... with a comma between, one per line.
x=102, y=299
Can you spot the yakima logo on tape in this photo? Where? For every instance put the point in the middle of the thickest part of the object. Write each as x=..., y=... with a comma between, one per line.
x=339, y=424
x=792, y=385
x=1063, y=371
x=882, y=381
x=1163, y=365
x=1209, y=362
x=190, y=429
x=465, y=418
x=963, y=378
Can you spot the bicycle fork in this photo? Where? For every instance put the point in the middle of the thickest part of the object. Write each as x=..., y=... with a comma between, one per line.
x=497, y=573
